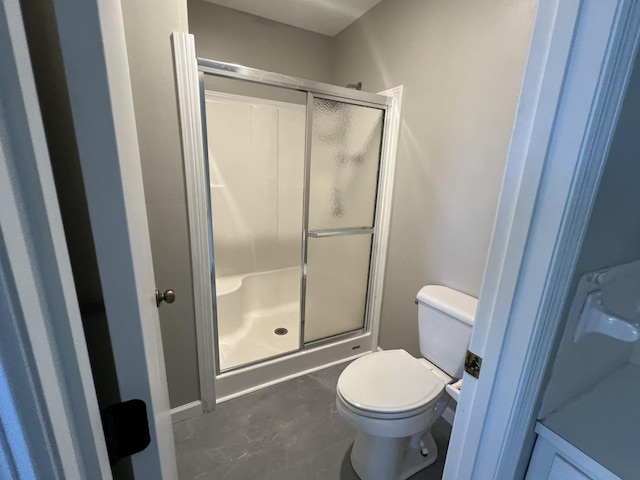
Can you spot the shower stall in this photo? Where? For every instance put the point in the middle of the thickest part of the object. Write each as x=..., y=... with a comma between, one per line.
x=290, y=197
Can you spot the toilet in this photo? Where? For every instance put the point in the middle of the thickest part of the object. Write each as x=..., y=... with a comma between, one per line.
x=393, y=399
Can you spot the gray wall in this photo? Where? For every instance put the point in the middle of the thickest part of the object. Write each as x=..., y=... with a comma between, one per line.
x=461, y=64
x=612, y=238
x=148, y=25
x=232, y=36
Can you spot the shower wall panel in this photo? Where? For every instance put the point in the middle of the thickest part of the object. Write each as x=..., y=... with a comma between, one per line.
x=256, y=164
x=291, y=141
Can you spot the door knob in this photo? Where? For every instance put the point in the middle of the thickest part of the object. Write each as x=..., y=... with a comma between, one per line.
x=168, y=296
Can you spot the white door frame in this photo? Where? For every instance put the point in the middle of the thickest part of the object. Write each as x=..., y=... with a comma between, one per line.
x=578, y=67
x=94, y=54
x=50, y=423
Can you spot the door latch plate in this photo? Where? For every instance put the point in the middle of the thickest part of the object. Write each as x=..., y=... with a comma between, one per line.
x=472, y=364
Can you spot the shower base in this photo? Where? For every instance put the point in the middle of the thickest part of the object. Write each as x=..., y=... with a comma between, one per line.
x=251, y=307
x=257, y=339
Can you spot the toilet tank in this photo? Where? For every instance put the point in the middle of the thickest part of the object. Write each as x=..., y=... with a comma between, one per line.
x=445, y=320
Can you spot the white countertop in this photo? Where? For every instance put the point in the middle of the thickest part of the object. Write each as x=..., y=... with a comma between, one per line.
x=604, y=422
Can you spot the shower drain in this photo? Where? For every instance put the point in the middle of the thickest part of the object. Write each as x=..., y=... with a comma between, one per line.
x=281, y=331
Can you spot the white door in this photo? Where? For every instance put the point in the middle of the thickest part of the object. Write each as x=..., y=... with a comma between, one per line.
x=95, y=59
x=578, y=67
x=49, y=418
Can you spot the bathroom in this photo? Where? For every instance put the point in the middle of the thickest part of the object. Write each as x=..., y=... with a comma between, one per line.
x=461, y=67
x=557, y=314
x=475, y=102
x=446, y=254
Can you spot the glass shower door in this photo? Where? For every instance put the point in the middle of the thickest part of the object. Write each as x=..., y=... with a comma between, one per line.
x=255, y=152
x=342, y=181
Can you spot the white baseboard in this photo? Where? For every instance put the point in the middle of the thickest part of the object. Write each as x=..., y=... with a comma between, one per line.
x=185, y=411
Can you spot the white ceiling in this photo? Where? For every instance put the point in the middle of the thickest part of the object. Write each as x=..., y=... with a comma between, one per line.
x=328, y=17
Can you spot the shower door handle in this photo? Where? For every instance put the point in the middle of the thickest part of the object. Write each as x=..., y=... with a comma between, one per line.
x=340, y=232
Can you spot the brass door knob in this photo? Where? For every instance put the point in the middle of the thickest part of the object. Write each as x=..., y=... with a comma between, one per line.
x=168, y=296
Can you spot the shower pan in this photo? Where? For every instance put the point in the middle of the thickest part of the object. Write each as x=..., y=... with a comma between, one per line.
x=289, y=187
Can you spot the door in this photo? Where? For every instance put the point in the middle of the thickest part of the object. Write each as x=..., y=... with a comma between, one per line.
x=49, y=418
x=578, y=67
x=343, y=165
x=255, y=149
x=92, y=45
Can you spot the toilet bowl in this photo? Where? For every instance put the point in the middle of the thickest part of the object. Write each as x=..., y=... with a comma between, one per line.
x=393, y=399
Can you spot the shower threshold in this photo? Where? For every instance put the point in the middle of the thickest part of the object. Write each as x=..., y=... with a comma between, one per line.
x=253, y=377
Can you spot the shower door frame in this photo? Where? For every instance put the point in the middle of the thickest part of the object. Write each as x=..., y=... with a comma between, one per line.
x=312, y=90
x=348, y=231
x=219, y=386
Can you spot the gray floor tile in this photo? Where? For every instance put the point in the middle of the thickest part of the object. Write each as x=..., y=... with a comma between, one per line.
x=287, y=431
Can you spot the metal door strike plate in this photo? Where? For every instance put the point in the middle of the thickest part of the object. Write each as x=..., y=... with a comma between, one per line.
x=472, y=364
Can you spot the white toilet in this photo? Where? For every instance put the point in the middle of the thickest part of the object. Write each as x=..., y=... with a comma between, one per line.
x=393, y=398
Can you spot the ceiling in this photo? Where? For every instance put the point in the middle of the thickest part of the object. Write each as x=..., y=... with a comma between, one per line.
x=328, y=17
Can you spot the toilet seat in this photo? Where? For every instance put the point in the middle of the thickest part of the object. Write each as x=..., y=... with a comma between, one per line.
x=385, y=415
x=389, y=384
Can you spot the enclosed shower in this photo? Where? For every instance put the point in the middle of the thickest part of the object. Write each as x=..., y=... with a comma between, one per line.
x=296, y=190
x=292, y=239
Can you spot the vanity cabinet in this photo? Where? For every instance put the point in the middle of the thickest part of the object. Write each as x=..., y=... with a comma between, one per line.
x=595, y=436
x=556, y=459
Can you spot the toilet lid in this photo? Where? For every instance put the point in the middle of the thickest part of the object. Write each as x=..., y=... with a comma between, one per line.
x=388, y=381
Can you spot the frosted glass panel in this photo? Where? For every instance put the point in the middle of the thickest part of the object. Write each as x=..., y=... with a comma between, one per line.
x=337, y=278
x=345, y=156
x=256, y=173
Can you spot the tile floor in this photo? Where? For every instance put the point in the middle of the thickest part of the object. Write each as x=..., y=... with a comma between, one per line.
x=288, y=431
